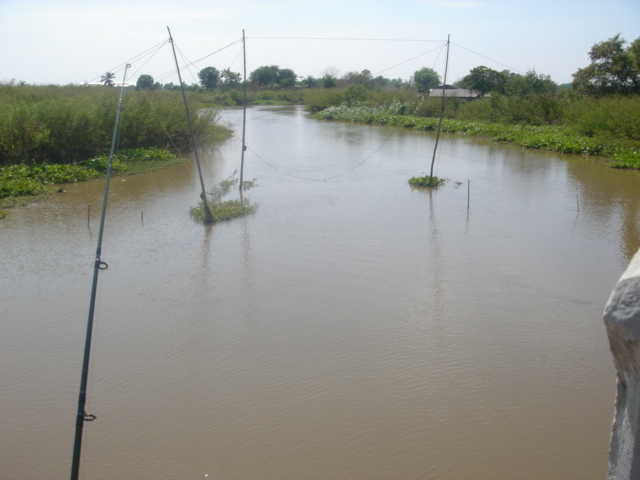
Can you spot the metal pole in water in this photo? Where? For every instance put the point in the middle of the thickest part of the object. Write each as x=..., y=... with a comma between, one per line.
x=82, y=416
x=444, y=84
x=208, y=217
x=244, y=110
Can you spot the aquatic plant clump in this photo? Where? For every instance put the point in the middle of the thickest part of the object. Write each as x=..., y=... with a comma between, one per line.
x=426, y=181
x=629, y=159
x=223, y=210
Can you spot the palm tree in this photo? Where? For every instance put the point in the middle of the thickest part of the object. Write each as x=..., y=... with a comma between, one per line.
x=107, y=79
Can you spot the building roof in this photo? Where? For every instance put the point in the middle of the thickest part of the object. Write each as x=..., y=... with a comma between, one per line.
x=450, y=91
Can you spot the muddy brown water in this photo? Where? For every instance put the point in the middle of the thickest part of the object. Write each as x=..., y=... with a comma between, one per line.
x=351, y=328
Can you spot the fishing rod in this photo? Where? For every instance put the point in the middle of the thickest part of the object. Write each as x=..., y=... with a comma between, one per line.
x=82, y=415
x=208, y=217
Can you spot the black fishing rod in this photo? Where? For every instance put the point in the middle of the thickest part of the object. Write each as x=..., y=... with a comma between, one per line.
x=208, y=217
x=82, y=416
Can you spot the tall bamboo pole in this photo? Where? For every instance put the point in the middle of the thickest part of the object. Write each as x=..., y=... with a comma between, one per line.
x=208, y=217
x=244, y=109
x=444, y=84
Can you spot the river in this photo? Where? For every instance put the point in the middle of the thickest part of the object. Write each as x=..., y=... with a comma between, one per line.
x=352, y=327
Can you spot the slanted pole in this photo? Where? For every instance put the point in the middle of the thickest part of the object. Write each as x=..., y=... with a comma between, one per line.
x=208, y=217
x=444, y=84
x=81, y=415
x=244, y=110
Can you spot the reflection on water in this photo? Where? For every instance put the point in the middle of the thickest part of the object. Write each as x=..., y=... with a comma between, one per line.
x=349, y=328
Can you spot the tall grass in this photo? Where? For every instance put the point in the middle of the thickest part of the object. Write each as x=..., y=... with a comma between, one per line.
x=69, y=124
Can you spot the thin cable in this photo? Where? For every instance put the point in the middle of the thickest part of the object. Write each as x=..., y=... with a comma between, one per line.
x=320, y=179
x=168, y=74
x=347, y=39
x=480, y=55
x=188, y=63
x=411, y=59
x=148, y=60
x=160, y=120
x=122, y=65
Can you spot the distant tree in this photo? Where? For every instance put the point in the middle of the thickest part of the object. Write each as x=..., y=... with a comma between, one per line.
x=286, y=78
x=107, y=79
x=310, y=81
x=530, y=83
x=613, y=69
x=265, y=76
x=230, y=79
x=381, y=81
x=484, y=80
x=348, y=78
x=209, y=77
x=329, y=81
x=365, y=79
x=273, y=76
x=145, y=82
x=425, y=79
x=329, y=77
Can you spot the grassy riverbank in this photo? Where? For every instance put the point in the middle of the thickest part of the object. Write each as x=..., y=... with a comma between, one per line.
x=51, y=135
x=622, y=152
x=23, y=184
x=68, y=125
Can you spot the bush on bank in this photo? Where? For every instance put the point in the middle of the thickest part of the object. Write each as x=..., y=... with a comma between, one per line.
x=69, y=124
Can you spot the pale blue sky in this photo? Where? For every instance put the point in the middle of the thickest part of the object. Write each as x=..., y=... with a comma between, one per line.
x=75, y=41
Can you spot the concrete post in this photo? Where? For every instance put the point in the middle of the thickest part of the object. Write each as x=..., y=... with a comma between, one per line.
x=622, y=320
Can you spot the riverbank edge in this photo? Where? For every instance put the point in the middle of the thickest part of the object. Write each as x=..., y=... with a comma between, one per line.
x=550, y=138
x=138, y=167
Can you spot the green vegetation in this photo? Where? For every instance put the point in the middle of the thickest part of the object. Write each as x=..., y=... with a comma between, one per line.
x=598, y=115
x=21, y=184
x=614, y=69
x=51, y=124
x=426, y=181
x=224, y=210
x=564, y=139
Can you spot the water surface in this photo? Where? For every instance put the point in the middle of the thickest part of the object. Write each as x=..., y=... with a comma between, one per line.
x=352, y=327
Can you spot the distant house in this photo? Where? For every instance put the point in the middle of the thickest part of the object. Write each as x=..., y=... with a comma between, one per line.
x=115, y=84
x=454, y=92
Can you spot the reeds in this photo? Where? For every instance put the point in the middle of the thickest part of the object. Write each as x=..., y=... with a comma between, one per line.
x=69, y=124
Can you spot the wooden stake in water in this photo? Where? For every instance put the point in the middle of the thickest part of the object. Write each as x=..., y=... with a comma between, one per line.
x=468, y=193
x=142, y=217
x=89, y=216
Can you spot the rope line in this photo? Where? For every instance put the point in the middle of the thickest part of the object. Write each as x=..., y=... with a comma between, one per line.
x=132, y=60
x=160, y=120
x=483, y=56
x=321, y=179
x=411, y=59
x=348, y=39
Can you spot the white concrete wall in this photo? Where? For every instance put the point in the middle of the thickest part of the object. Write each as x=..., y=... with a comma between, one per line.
x=622, y=319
